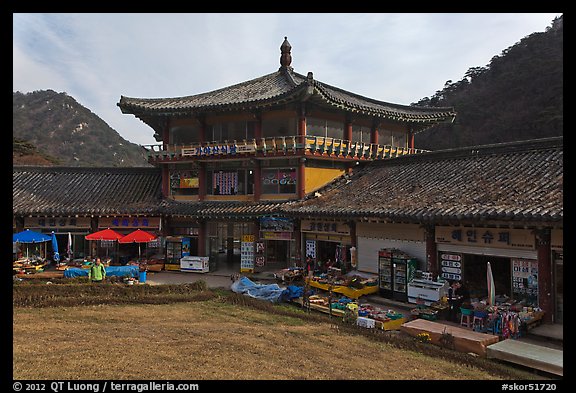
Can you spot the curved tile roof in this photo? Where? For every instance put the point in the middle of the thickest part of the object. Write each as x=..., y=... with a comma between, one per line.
x=283, y=84
x=520, y=181
x=85, y=191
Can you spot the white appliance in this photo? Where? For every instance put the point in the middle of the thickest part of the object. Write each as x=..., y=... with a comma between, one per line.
x=427, y=290
x=194, y=264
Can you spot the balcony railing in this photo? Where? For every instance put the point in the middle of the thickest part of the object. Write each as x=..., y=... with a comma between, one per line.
x=274, y=146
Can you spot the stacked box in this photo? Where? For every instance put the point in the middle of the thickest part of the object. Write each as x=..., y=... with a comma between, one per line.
x=366, y=322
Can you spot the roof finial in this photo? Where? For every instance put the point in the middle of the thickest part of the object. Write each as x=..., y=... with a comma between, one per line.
x=285, y=57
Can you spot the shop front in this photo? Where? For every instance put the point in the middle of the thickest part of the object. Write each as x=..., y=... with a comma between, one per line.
x=373, y=237
x=275, y=246
x=464, y=253
x=124, y=225
x=77, y=227
x=225, y=243
x=557, y=247
x=327, y=243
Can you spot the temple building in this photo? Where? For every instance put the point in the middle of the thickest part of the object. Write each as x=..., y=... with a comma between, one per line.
x=240, y=150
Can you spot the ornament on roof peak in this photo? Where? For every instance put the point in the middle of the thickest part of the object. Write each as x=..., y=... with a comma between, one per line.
x=285, y=57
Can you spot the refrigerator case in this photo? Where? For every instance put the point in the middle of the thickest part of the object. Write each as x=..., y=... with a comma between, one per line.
x=385, y=273
x=404, y=269
x=173, y=254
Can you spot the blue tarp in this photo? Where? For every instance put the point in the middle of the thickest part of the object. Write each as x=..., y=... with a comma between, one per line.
x=120, y=271
x=270, y=292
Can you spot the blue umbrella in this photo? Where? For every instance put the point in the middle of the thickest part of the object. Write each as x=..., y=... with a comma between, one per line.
x=55, y=247
x=29, y=236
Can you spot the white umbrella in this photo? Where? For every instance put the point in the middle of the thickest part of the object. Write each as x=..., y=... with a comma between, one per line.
x=69, y=247
x=491, y=289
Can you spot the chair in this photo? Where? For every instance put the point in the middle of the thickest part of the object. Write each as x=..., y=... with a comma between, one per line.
x=466, y=317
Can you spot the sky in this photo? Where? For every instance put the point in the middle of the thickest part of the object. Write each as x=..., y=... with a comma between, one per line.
x=394, y=57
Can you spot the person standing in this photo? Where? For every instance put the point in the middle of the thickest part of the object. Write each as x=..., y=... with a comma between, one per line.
x=97, y=272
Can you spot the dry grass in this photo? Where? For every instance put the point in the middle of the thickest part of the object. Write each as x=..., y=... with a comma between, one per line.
x=221, y=337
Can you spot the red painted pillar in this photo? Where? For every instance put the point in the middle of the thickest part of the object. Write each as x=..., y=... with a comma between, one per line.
x=347, y=130
x=544, y=274
x=301, y=183
x=431, y=250
x=165, y=181
x=201, y=181
x=411, y=141
x=374, y=134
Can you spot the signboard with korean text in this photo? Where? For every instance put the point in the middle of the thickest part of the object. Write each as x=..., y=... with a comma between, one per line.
x=218, y=150
x=129, y=222
x=521, y=239
x=247, y=253
x=524, y=278
x=57, y=222
x=332, y=227
x=451, y=266
x=311, y=249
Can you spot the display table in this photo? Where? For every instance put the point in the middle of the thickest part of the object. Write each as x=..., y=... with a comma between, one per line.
x=352, y=293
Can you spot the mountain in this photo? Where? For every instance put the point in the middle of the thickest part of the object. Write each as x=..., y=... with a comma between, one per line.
x=51, y=128
x=517, y=96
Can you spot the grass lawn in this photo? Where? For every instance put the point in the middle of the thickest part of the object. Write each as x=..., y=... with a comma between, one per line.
x=218, y=336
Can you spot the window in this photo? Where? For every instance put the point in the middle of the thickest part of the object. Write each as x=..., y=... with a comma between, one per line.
x=184, y=182
x=360, y=133
x=230, y=182
x=279, y=181
x=279, y=127
x=231, y=131
x=324, y=128
x=183, y=135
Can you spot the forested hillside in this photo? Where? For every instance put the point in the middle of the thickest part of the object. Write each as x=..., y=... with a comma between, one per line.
x=517, y=96
x=50, y=124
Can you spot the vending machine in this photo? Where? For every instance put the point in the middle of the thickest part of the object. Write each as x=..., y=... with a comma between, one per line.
x=395, y=270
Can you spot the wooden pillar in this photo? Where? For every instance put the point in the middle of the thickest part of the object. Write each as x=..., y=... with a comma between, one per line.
x=411, y=141
x=166, y=133
x=545, y=287
x=301, y=140
x=258, y=127
x=257, y=180
x=347, y=129
x=374, y=134
x=202, y=181
x=202, y=237
x=165, y=181
x=301, y=182
x=431, y=250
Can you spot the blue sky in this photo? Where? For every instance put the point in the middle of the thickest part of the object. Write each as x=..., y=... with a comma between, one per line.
x=395, y=57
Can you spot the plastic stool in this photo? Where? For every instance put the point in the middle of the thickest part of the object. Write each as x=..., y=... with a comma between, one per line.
x=465, y=320
x=478, y=324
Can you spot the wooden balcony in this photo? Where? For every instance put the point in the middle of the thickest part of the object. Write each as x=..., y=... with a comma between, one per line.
x=277, y=146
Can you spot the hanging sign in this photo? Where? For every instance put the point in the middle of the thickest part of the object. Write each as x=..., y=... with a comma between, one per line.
x=247, y=253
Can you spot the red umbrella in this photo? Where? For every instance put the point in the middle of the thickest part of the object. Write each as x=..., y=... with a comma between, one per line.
x=105, y=234
x=138, y=236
